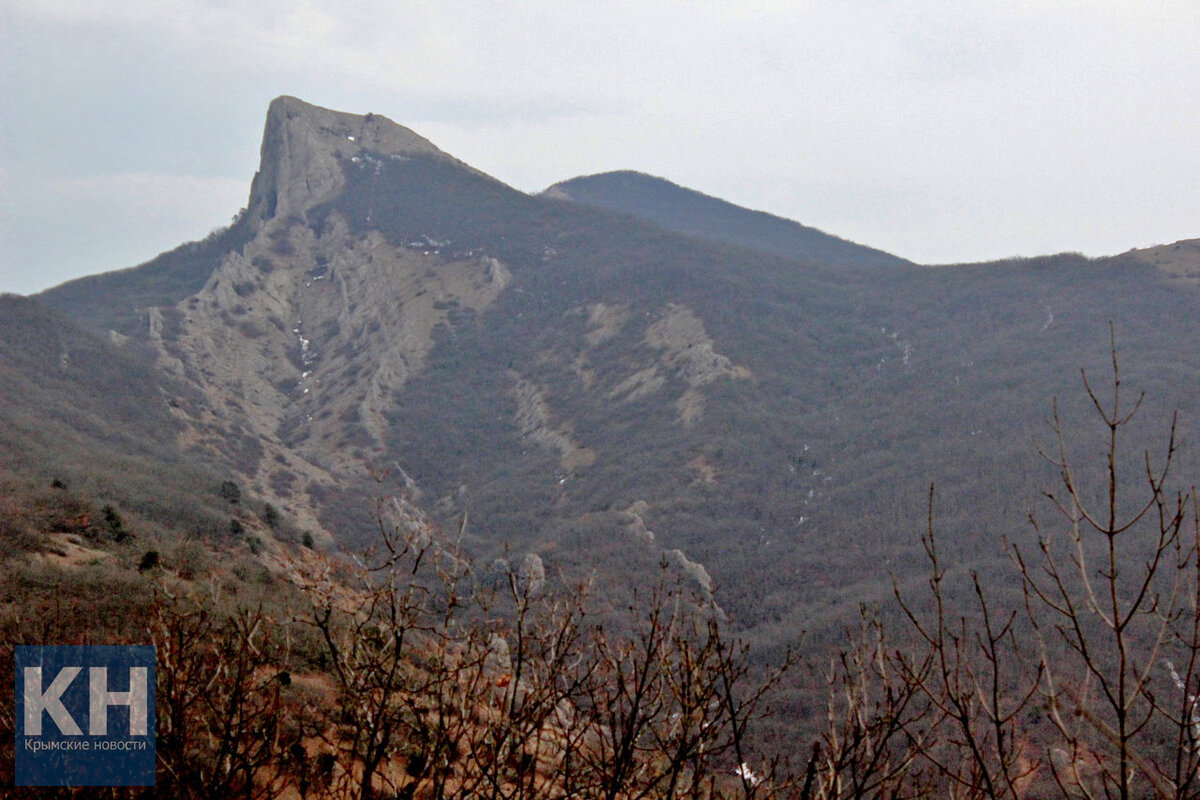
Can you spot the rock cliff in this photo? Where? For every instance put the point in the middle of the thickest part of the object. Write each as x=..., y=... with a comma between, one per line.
x=302, y=149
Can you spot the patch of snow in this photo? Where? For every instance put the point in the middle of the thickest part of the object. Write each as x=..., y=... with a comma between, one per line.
x=1049, y=319
x=745, y=773
x=1193, y=713
x=308, y=355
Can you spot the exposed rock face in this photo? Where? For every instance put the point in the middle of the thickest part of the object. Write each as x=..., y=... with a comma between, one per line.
x=498, y=660
x=636, y=526
x=301, y=148
x=307, y=335
x=533, y=418
x=301, y=340
x=531, y=577
x=692, y=575
x=604, y=321
x=695, y=577
x=685, y=351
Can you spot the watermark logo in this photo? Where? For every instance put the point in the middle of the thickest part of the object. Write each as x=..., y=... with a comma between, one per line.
x=85, y=715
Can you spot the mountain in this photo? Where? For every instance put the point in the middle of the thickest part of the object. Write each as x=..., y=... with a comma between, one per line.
x=613, y=384
x=687, y=211
x=644, y=374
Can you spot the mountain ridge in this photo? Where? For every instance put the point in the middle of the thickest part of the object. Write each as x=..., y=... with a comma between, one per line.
x=689, y=211
x=301, y=148
x=540, y=367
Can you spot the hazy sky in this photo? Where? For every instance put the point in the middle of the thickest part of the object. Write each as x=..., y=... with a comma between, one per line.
x=940, y=130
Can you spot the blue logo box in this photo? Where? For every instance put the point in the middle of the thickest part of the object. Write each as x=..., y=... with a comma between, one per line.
x=85, y=715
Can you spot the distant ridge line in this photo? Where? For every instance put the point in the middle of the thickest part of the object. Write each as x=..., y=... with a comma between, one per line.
x=688, y=211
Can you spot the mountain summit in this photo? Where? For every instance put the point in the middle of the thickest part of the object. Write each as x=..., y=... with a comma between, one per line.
x=691, y=212
x=302, y=150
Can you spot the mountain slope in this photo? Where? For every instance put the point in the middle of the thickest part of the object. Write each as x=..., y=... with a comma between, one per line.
x=1180, y=261
x=97, y=416
x=688, y=211
x=118, y=300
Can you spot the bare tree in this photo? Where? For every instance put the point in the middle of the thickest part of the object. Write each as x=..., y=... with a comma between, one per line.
x=1112, y=599
x=220, y=709
x=669, y=708
x=448, y=690
x=976, y=682
x=1105, y=645
x=876, y=722
x=373, y=618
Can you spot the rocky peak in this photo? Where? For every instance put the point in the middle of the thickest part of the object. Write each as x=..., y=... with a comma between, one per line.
x=303, y=146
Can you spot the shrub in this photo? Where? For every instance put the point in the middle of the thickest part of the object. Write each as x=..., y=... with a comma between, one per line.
x=230, y=491
x=114, y=526
x=270, y=516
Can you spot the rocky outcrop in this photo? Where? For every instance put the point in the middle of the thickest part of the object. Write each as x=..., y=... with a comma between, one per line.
x=605, y=321
x=306, y=336
x=302, y=148
x=691, y=574
x=635, y=526
x=531, y=576
x=534, y=420
x=302, y=338
x=685, y=351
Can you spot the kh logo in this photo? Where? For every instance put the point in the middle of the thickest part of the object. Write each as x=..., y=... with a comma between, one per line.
x=85, y=715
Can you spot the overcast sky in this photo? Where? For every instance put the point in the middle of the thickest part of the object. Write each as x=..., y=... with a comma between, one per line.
x=939, y=130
